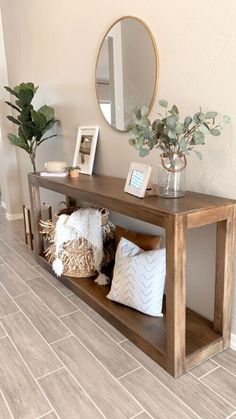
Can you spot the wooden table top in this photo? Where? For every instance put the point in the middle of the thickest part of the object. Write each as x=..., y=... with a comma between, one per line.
x=107, y=189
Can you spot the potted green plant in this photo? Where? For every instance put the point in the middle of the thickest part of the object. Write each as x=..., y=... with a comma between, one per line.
x=176, y=139
x=32, y=125
x=74, y=171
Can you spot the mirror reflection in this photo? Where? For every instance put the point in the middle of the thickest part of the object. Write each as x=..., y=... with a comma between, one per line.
x=126, y=71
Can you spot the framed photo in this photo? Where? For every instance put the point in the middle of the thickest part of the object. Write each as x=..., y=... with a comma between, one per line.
x=86, y=148
x=137, y=179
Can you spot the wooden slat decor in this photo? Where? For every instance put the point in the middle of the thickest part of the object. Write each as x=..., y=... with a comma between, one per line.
x=182, y=338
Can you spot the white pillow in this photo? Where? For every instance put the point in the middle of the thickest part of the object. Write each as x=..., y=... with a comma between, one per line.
x=139, y=278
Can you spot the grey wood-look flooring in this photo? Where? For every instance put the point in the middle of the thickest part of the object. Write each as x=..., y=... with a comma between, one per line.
x=60, y=359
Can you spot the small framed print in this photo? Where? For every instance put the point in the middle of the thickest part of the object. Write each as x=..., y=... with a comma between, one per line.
x=86, y=148
x=137, y=179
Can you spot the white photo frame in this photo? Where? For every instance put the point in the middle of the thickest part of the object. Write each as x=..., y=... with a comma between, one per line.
x=86, y=148
x=137, y=179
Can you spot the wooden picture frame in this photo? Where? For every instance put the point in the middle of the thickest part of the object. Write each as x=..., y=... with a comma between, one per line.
x=86, y=148
x=137, y=179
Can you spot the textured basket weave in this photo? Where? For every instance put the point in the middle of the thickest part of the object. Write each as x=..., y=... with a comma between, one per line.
x=78, y=255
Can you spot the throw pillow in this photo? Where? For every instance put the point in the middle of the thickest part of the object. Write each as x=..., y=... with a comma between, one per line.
x=139, y=278
x=145, y=241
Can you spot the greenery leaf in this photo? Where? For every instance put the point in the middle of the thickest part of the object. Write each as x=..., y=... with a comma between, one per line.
x=12, y=119
x=144, y=110
x=187, y=121
x=198, y=137
x=171, y=121
x=226, y=119
x=211, y=115
x=214, y=131
x=143, y=152
x=174, y=110
x=13, y=106
x=163, y=103
x=198, y=154
x=14, y=140
x=11, y=91
x=48, y=112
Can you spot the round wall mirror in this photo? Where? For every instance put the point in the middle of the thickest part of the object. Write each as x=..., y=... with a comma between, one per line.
x=127, y=71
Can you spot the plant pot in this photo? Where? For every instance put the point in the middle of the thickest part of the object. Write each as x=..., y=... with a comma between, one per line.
x=171, y=175
x=74, y=173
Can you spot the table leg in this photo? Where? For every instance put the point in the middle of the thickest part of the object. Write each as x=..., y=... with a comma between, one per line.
x=176, y=294
x=36, y=216
x=224, y=277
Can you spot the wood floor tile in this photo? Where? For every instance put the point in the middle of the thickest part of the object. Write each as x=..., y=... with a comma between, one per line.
x=23, y=396
x=227, y=359
x=194, y=393
x=154, y=397
x=99, y=320
x=7, y=305
x=9, y=238
x=57, y=302
x=48, y=325
x=26, y=253
x=4, y=248
x=76, y=404
x=104, y=390
x=1, y=261
x=223, y=383
x=117, y=361
x=54, y=281
x=14, y=230
x=4, y=411
x=12, y=282
x=36, y=353
x=203, y=368
x=18, y=265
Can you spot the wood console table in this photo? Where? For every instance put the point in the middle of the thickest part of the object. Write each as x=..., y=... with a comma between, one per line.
x=182, y=338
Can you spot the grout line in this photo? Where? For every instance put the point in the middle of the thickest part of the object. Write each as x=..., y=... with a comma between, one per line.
x=204, y=375
x=219, y=395
x=160, y=382
x=43, y=416
x=6, y=403
x=129, y=372
x=226, y=369
x=5, y=336
x=69, y=295
x=68, y=314
x=230, y=416
x=122, y=341
x=23, y=293
x=49, y=373
x=59, y=340
x=142, y=411
x=10, y=314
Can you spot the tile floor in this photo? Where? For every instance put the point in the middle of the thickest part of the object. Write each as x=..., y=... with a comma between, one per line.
x=60, y=359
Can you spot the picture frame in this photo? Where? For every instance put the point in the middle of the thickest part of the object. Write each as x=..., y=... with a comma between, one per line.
x=137, y=179
x=85, y=149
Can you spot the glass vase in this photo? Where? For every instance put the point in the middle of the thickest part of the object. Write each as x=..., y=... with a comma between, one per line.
x=171, y=175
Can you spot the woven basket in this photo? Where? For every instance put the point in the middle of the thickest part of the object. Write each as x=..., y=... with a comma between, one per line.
x=78, y=255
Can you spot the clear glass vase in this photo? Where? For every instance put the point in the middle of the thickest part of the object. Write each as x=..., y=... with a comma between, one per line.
x=171, y=175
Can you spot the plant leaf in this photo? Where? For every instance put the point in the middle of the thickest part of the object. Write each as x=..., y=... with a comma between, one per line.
x=211, y=115
x=187, y=121
x=171, y=121
x=14, y=120
x=214, y=131
x=144, y=110
x=143, y=152
x=198, y=154
x=226, y=119
x=163, y=103
x=48, y=112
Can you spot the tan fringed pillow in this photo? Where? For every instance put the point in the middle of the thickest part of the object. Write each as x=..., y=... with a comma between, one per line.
x=144, y=241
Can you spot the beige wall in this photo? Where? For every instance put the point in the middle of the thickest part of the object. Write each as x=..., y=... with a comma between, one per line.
x=54, y=43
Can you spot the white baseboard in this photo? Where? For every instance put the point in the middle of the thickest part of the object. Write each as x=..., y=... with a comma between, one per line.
x=233, y=341
x=13, y=217
x=3, y=204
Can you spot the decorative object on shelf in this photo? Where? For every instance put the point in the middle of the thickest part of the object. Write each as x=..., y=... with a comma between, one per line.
x=144, y=241
x=46, y=214
x=86, y=148
x=80, y=242
x=127, y=71
x=54, y=174
x=55, y=166
x=74, y=171
x=137, y=179
x=175, y=139
x=32, y=125
x=139, y=278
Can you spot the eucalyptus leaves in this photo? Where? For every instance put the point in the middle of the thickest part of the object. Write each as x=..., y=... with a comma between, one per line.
x=169, y=134
x=31, y=124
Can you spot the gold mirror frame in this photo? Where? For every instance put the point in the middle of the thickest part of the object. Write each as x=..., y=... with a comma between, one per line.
x=157, y=67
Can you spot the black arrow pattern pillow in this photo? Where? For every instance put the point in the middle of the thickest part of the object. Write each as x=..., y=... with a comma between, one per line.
x=139, y=278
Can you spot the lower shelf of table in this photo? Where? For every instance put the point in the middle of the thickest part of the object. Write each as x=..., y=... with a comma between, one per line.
x=148, y=333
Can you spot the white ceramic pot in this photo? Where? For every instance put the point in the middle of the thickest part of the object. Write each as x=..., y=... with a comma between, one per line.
x=55, y=166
